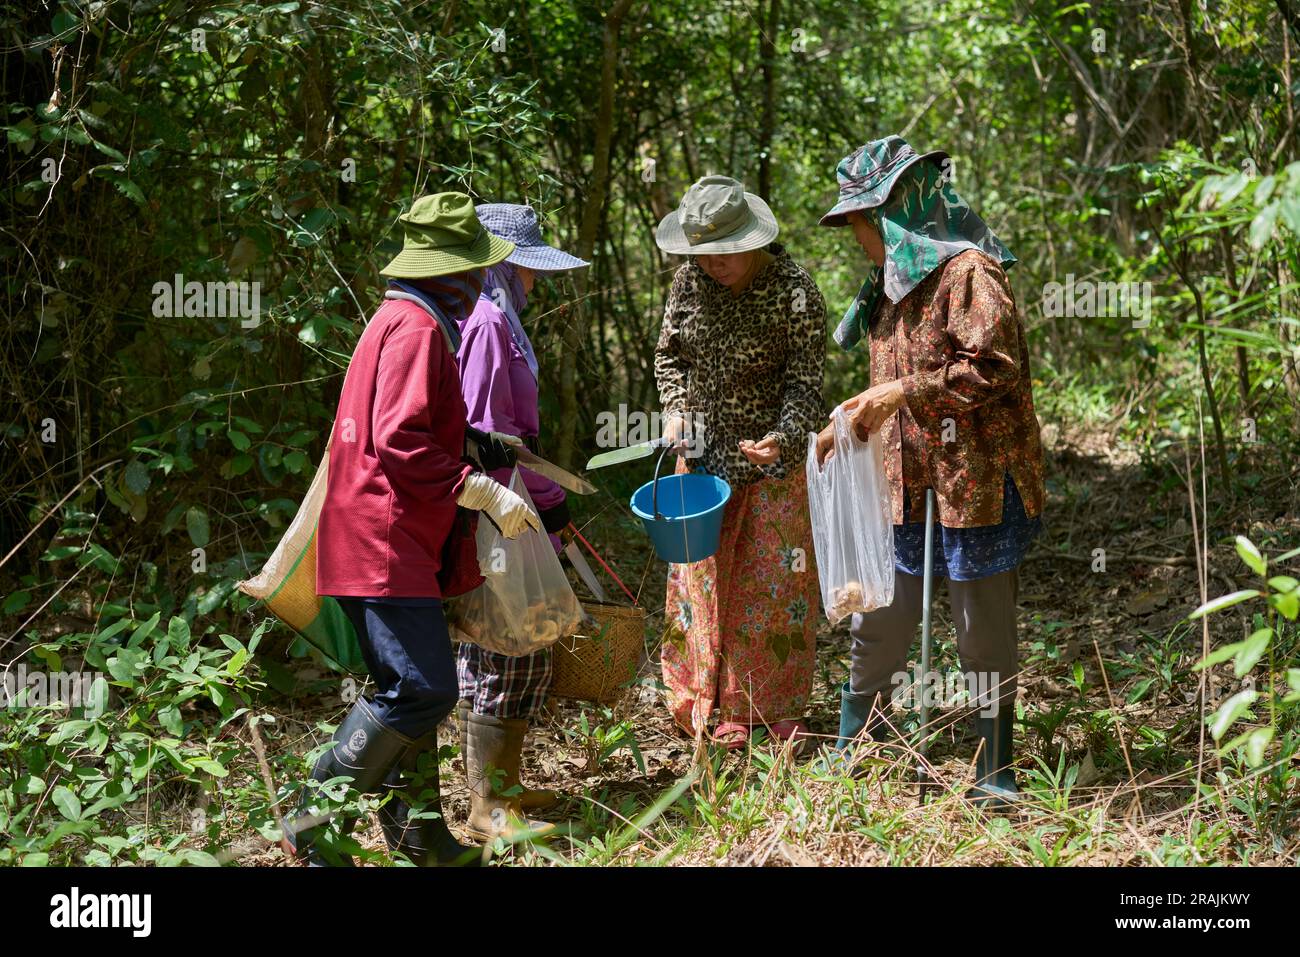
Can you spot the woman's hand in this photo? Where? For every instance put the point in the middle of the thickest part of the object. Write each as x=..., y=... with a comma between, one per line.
x=763, y=452
x=825, y=445
x=869, y=410
x=674, y=428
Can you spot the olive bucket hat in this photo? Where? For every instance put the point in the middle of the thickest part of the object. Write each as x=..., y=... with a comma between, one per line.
x=717, y=216
x=442, y=235
x=868, y=174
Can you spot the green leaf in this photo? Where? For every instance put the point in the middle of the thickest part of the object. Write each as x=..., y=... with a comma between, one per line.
x=109, y=151
x=1140, y=689
x=197, y=858
x=16, y=602
x=236, y=662
x=240, y=464
x=145, y=631
x=172, y=517
x=238, y=439
x=178, y=633
x=1287, y=604
x=63, y=22
x=1255, y=745
x=137, y=477
x=120, y=625
x=170, y=718
x=1250, y=555
x=1291, y=212
x=1252, y=649
x=214, y=596
x=1232, y=709
x=66, y=802
x=23, y=135
x=121, y=668
x=1261, y=227
x=1224, y=601
x=196, y=523
x=211, y=766
x=1292, y=682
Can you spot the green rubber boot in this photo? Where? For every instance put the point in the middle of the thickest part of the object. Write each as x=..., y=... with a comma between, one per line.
x=856, y=712
x=995, y=782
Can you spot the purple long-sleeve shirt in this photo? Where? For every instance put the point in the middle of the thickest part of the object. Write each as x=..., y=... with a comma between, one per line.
x=500, y=391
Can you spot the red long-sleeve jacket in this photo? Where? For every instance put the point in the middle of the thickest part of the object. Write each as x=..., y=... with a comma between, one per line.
x=395, y=464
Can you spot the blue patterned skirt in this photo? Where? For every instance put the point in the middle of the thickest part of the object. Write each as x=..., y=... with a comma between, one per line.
x=965, y=554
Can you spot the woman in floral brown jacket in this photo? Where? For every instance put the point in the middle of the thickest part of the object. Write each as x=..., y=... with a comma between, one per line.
x=951, y=395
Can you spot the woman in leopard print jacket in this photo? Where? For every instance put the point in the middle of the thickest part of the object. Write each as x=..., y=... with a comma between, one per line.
x=739, y=369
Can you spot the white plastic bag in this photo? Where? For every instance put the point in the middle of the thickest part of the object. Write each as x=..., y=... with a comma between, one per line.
x=852, y=522
x=525, y=602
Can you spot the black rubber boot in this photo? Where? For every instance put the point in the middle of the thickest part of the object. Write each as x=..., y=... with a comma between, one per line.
x=426, y=842
x=995, y=781
x=365, y=749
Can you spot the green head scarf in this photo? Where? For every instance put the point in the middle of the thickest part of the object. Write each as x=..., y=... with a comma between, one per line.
x=922, y=222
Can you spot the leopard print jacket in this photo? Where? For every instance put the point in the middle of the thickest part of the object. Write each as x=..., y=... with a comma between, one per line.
x=748, y=366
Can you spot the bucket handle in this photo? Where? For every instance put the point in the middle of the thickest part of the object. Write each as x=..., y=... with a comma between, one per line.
x=654, y=492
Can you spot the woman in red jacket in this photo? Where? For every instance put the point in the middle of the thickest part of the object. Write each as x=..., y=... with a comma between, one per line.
x=393, y=539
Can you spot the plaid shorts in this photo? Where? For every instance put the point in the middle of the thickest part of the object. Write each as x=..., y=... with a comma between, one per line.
x=502, y=686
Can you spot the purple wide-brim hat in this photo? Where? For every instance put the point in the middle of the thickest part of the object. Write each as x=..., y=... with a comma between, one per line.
x=519, y=225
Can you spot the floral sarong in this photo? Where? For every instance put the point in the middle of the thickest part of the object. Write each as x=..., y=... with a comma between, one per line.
x=742, y=625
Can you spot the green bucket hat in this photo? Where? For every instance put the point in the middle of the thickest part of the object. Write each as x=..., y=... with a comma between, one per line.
x=921, y=220
x=442, y=235
x=868, y=174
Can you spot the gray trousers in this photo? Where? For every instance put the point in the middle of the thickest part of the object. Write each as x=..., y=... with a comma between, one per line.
x=984, y=613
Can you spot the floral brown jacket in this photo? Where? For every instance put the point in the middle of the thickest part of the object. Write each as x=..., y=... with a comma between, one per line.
x=957, y=344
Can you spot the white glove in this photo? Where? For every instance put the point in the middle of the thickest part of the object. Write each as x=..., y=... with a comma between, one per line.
x=508, y=511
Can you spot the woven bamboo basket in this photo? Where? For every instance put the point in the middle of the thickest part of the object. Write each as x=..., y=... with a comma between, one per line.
x=599, y=662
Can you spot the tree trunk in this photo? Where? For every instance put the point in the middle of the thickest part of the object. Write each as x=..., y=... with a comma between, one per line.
x=767, y=54
x=593, y=207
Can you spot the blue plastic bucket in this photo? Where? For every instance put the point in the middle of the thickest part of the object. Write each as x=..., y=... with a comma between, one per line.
x=682, y=514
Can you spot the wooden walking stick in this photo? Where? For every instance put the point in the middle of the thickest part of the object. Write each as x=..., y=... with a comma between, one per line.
x=927, y=593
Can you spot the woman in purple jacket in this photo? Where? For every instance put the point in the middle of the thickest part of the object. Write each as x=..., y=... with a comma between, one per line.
x=500, y=694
